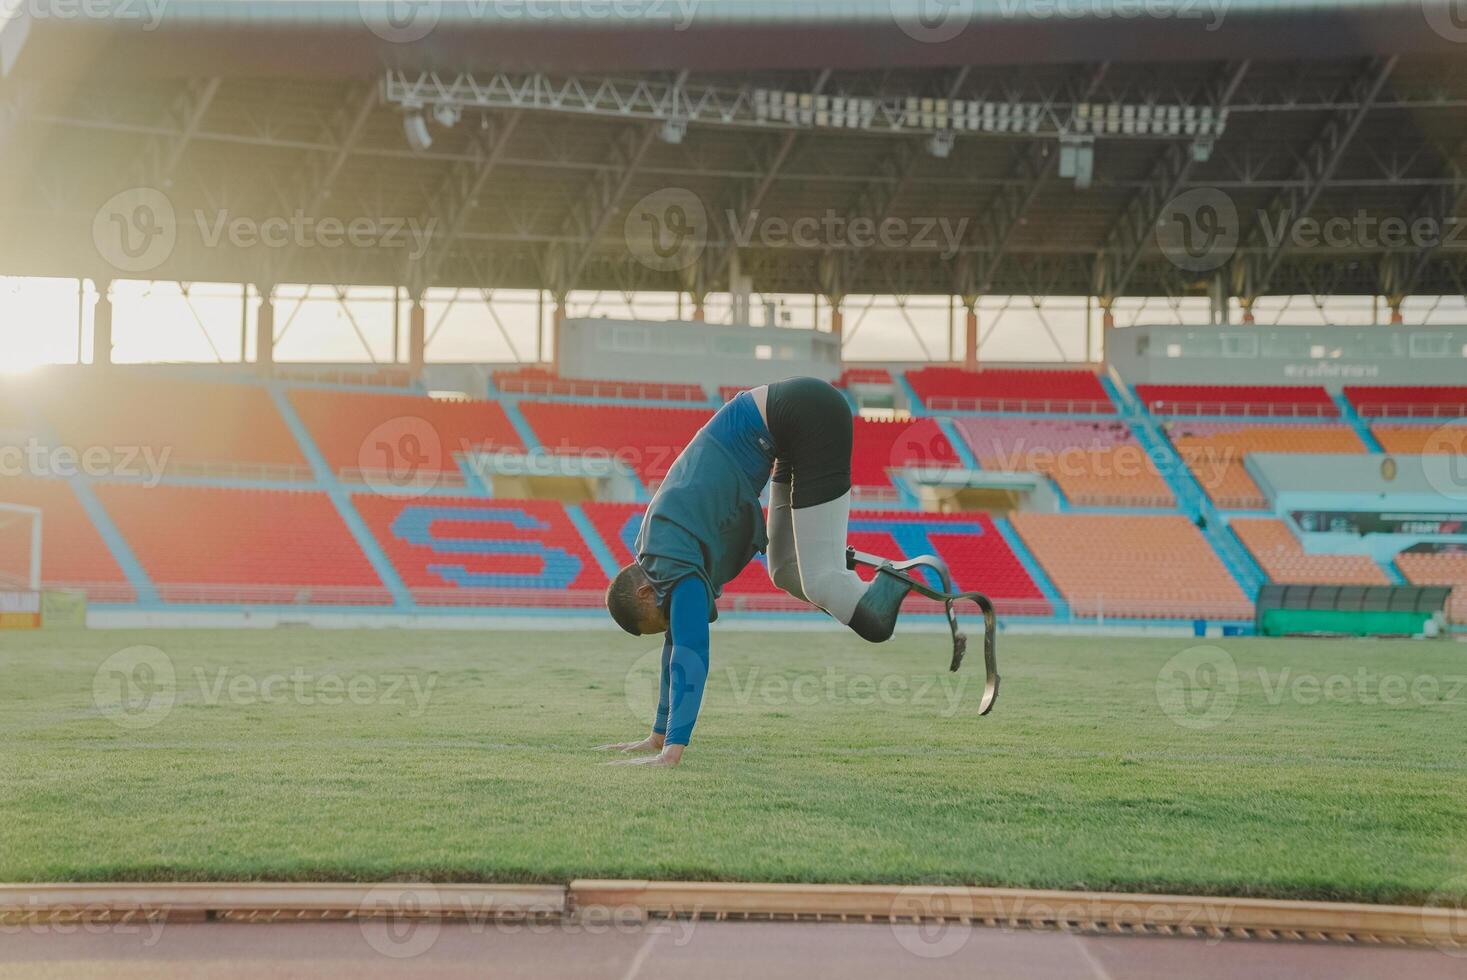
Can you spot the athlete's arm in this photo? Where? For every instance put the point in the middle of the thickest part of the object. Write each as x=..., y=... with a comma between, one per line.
x=685, y=671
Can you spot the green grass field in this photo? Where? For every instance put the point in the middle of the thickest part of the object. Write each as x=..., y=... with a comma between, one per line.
x=1314, y=769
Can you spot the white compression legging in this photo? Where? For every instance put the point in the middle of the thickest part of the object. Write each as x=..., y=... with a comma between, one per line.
x=807, y=552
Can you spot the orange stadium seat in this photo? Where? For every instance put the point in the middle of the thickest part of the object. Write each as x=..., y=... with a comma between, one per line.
x=364, y=431
x=1439, y=568
x=73, y=553
x=646, y=439
x=1282, y=557
x=1094, y=462
x=1214, y=451
x=1421, y=438
x=1009, y=390
x=201, y=544
x=1265, y=400
x=1150, y=566
x=199, y=424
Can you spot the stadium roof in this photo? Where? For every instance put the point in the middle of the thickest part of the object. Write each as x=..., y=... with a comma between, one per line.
x=1057, y=152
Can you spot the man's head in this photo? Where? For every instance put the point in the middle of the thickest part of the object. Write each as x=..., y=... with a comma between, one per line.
x=632, y=602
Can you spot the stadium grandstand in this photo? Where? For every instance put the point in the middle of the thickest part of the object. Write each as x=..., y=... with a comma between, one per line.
x=346, y=345
x=1107, y=473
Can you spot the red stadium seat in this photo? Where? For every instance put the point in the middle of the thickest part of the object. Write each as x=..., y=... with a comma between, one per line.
x=1409, y=402
x=541, y=383
x=206, y=544
x=1252, y=400
x=73, y=554
x=646, y=439
x=362, y=432
x=1009, y=390
x=883, y=445
x=466, y=551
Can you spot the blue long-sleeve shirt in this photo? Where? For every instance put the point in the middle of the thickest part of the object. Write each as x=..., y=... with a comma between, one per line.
x=684, y=662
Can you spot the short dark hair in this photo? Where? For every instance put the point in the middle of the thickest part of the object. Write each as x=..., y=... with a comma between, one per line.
x=621, y=598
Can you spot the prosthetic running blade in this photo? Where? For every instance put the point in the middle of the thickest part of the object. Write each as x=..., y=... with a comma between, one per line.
x=907, y=572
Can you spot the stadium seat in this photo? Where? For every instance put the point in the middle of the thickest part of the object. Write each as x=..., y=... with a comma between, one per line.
x=1145, y=566
x=208, y=544
x=646, y=439
x=881, y=445
x=1408, y=402
x=216, y=427
x=1214, y=451
x=864, y=376
x=541, y=383
x=362, y=432
x=1009, y=390
x=1252, y=400
x=466, y=551
x=1095, y=463
x=1282, y=557
x=1421, y=438
x=1439, y=568
x=73, y=554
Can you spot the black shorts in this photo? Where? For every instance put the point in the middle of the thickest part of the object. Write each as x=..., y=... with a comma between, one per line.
x=813, y=433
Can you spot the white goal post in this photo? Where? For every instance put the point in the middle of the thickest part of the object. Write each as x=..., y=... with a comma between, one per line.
x=24, y=573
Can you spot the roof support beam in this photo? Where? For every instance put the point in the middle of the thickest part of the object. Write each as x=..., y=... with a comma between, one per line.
x=995, y=225
x=160, y=158
x=1132, y=233
x=1401, y=271
x=1260, y=257
x=458, y=195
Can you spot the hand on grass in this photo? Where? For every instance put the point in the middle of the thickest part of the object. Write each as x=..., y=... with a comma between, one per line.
x=652, y=743
x=670, y=755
